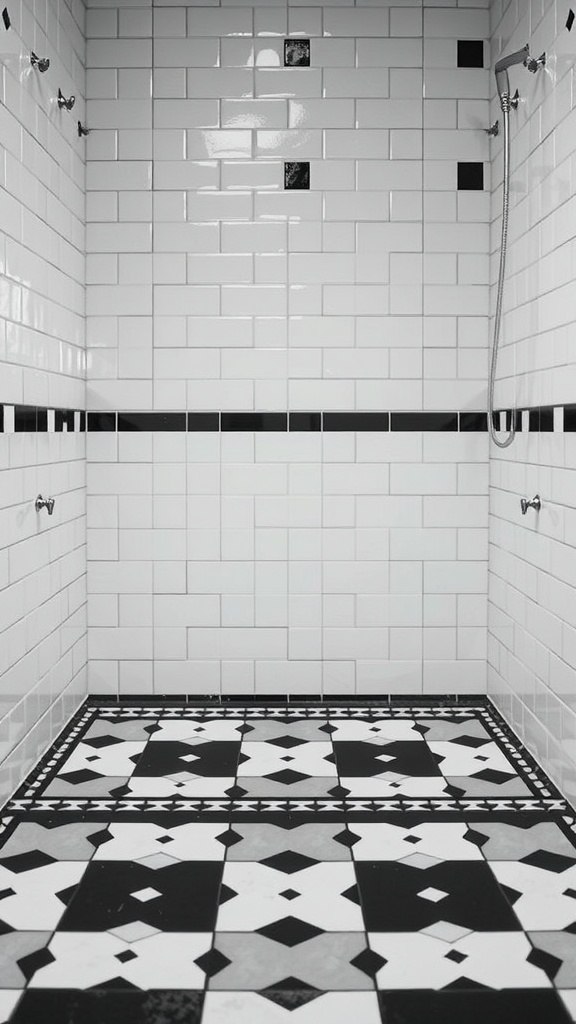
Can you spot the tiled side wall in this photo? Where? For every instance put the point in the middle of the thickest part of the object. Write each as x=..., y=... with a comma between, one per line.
x=245, y=561
x=532, y=649
x=42, y=559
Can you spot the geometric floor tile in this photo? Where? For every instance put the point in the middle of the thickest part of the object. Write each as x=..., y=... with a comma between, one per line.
x=301, y=863
x=109, y=1007
x=165, y=960
x=490, y=960
x=252, y=1008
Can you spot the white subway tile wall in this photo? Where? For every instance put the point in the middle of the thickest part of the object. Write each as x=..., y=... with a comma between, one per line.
x=42, y=363
x=348, y=562
x=532, y=598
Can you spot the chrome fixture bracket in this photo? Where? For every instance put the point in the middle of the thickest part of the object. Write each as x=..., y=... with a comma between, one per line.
x=42, y=63
x=47, y=503
x=494, y=130
x=65, y=103
x=535, y=503
x=533, y=64
x=82, y=129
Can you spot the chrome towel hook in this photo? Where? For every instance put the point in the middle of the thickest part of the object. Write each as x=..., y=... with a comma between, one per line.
x=42, y=63
x=66, y=103
x=47, y=503
x=535, y=503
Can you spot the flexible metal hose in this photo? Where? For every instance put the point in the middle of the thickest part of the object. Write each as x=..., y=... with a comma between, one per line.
x=501, y=278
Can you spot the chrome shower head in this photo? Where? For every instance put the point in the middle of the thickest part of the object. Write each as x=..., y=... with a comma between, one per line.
x=518, y=57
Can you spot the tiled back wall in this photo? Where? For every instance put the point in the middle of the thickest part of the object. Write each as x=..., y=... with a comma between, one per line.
x=276, y=562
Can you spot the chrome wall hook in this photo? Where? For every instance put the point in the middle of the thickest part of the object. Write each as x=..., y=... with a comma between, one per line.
x=535, y=503
x=494, y=130
x=47, y=503
x=82, y=130
x=65, y=103
x=42, y=63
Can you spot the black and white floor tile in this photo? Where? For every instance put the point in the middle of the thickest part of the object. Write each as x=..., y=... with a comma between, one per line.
x=310, y=864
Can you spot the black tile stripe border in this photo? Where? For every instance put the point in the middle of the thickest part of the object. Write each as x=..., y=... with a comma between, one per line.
x=16, y=419
x=543, y=796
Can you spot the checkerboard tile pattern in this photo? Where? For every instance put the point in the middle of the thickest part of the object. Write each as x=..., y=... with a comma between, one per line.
x=301, y=864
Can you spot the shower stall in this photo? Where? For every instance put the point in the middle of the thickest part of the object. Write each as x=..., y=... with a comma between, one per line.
x=260, y=286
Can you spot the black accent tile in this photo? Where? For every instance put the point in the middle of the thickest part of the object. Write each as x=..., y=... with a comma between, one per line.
x=82, y=421
x=1, y=419
x=470, y=176
x=296, y=175
x=502, y=419
x=64, y=418
x=470, y=53
x=102, y=421
x=309, y=421
x=356, y=421
x=6, y=18
x=546, y=419
x=518, y=420
x=424, y=420
x=203, y=421
x=257, y=421
x=570, y=20
x=473, y=421
x=570, y=418
x=296, y=53
x=25, y=418
x=534, y=420
x=42, y=420
x=151, y=421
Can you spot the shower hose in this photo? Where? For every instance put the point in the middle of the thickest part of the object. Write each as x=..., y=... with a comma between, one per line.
x=505, y=442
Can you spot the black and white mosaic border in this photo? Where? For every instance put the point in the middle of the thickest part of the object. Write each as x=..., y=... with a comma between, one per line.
x=314, y=806
x=483, y=709
x=15, y=419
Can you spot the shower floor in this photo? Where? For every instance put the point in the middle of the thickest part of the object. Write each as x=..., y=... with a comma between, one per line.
x=317, y=864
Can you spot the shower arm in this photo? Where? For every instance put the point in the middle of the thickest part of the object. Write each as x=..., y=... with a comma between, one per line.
x=501, y=69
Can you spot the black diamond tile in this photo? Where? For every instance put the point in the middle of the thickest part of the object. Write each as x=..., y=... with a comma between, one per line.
x=65, y=895
x=570, y=892
x=413, y=840
x=229, y=838
x=369, y=962
x=570, y=19
x=151, y=729
x=457, y=957
x=126, y=956
x=477, y=838
x=545, y=961
x=339, y=792
x=226, y=893
x=7, y=22
x=291, y=993
x=287, y=742
x=83, y=775
x=327, y=728
x=235, y=792
x=102, y=741
x=119, y=791
x=289, y=862
x=34, y=961
x=290, y=894
x=347, y=838
x=548, y=861
x=352, y=894
x=287, y=758
x=290, y=931
x=26, y=861
x=5, y=893
x=288, y=777
x=212, y=962
x=163, y=840
x=245, y=728
x=470, y=741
